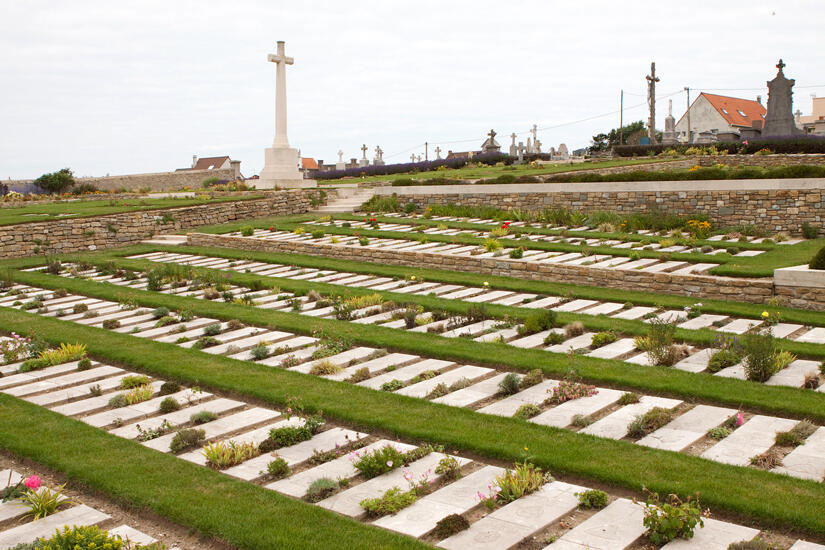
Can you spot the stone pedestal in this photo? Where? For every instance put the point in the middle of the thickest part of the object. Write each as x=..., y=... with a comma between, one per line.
x=281, y=169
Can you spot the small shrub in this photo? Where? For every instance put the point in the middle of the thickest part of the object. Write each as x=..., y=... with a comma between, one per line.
x=160, y=312
x=392, y=385
x=568, y=390
x=768, y=460
x=538, y=321
x=672, y=519
x=169, y=388
x=526, y=411
x=440, y=390
x=797, y=435
x=111, y=324
x=574, y=329
x=554, y=339
x=359, y=375
x=247, y=231
x=460, y=384
x=532, y=378
x=186, y=439
x=628, y=398
x=516, y=254
x=755, y=544
x=378, y=461
x=205, y=342
x=320, y=489
x=809, y=231
x=523, y=479
x=324, y=367
x=450, y=525
x=203, y=417
x=510, y=384
x=723, y=359
x=649, y=422
x=581, y=421
x=593, y=498
x=133, y=381
x=720, y=432
x=391, y=502
x=449, y=468
x=602, y=339
x=818, y=261
x=84, y=364
x=221, y=454
x=259, y=352
x=80, y=538
x=80, y=308
x=212, y=330
x=170, y=404
x=760, y=356
x=278, y=468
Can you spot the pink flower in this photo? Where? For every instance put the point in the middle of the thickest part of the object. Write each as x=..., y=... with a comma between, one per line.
x=739, y=419
x=389, y=464
x=33, y=482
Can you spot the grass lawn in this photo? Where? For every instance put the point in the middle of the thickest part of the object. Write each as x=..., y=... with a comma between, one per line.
x=477, y=172
x=89, y=208
x=774, y=500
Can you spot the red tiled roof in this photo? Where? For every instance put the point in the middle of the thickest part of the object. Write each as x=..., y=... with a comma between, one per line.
x=733, y=109
x=210, y=163
x=309, y=163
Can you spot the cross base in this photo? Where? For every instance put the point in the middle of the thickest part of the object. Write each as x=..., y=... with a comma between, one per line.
x=281, y=170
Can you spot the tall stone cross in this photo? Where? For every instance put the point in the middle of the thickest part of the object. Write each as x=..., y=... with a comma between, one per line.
x=419, y=158
x=780, y=65
x=281, y=61
x=513, y=137
x=492, y=134
x=652, y=79
x=437, y=153
x=340, y=156
x=379, y=153
x=364, y=150
x=412, y=157
x=533, y=131
x=521, y=149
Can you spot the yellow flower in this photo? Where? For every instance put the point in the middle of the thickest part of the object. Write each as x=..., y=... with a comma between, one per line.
x=526, y=449
x=412, y=278
x=486, y=283
x=765, y=314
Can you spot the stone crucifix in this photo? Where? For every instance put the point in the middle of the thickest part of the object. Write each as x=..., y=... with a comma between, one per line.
x=364, y=151
x=340, y=156
x=379, y=153
x=437, y=153
x=281, y=61
x=419, y=158
x=412, y=157
x=533, y=131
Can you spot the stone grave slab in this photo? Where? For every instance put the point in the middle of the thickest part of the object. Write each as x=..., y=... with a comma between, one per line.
x=472, y=394
x=218, y=406
x=562, y=415
x=341, y=359
x=615, y=424
x=377, y=364
x=715, y=535
x=63, y=381
x=407, y=373
x=806, y=461
x=220, y=427
x=93, y=404
x=577, y=342
x=739, y=326
x=605, y=308
x=509, y=405
x=45, y=527
x=696, y=362
x=11, y=380
x=616, y=349
x=634, y=313
x=814, y=336
x=754, y=437
x=613, y=528
x=575, y=305
x=687, y=428
x=702, y=321
x=794, y=374
x=421, y=389
x=542, y=303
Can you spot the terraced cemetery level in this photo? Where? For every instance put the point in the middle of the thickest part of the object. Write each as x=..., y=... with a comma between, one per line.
x=444, y=485
x=716, y=433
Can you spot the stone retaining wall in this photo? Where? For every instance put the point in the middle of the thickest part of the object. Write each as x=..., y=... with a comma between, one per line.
x=157, y=181
x=84, y=234
x=778, y=205
x=766, y=161
x=698, y=286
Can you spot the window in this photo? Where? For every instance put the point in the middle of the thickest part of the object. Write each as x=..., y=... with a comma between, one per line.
x=763, y=117
x=724, y=110
x=743, y=115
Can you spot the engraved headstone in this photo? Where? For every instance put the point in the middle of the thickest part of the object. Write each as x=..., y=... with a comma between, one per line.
x=779, y=120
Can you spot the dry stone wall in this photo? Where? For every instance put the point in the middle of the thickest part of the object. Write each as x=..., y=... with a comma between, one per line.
x=84, y=234
x=766, y=161
x=158, y=181
x=782, y=206
x=701, y=287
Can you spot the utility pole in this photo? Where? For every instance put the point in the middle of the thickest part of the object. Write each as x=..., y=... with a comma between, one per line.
x=426, y=157
x=687, y=89
x=652, y=79
x=621, y=117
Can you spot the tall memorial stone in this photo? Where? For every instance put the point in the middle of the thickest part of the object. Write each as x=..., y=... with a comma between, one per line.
x=779, y=120
x=669, y=135
x=490, y=144
x=281, y=162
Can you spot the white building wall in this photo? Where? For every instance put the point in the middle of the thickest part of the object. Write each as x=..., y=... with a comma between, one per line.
x=703, y=118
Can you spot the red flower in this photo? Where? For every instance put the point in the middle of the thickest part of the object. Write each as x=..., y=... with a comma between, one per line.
x=372, y=220
x=271, y=228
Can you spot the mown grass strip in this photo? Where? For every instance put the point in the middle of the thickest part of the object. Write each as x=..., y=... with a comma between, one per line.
x=782, y=400
x=242, y=514
x=775, y=501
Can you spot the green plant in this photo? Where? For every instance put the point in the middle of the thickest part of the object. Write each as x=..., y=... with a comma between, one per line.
x=510, y=384
x=278, y=468
x=325, y=367
x=247, y=231
x=491, y=245
x=169, y=404
x=165, y=321
x=517, y=253
x=760, y=356
x=723, y=359
x=111, y=324
x=391, y=502
x=526, y=411
x=660, y=347
x=537, y=321
x=44, y=501
x=755, y=544
x=169, y=388
x=593, y=498
x=818, y=261
x=84, y=364
x=212, y=330
x=672, y=519
x=581, y=421
x=649, y=422
x=574, y=329
x=450, y=525
x=221, y=455
x=133, y=381
x=797, y=435
x=318, y=234
x=359, y=375
x=628, y=398
x=378, y=461
x=320, y=489
x=79, y=537
x=440, y=390
x=186, y=439
x=137, y=394
x=202, y=417
x=392, y=385
x=602, y=338
x=56, y=182
x=720, y=432
x=258, y=352
x=554, y=339
x=523, y=479
x=809, y=231
x=449, y=468
x=532, y=378
x=205, y=342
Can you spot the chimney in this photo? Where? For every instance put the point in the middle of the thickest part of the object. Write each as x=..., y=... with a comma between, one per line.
x=194, y=160
x=759, y=99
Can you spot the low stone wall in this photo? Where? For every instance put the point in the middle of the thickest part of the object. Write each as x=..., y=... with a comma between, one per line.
x=158, y=181
x=779, y=205
x=698, y=286
x=766, y=161
x=84, y=234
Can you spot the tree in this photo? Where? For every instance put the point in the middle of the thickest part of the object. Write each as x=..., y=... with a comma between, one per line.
x=605, y=142
x=56, y=182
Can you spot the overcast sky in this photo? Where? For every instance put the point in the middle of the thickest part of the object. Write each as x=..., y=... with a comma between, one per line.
x=141, y=86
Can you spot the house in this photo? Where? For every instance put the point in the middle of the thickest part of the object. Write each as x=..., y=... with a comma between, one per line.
x=719, y=118
x=308, y=166
x=815, y=122
x=215, y=163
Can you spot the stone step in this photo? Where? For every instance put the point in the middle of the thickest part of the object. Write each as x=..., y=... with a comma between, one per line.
x=45, y=527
